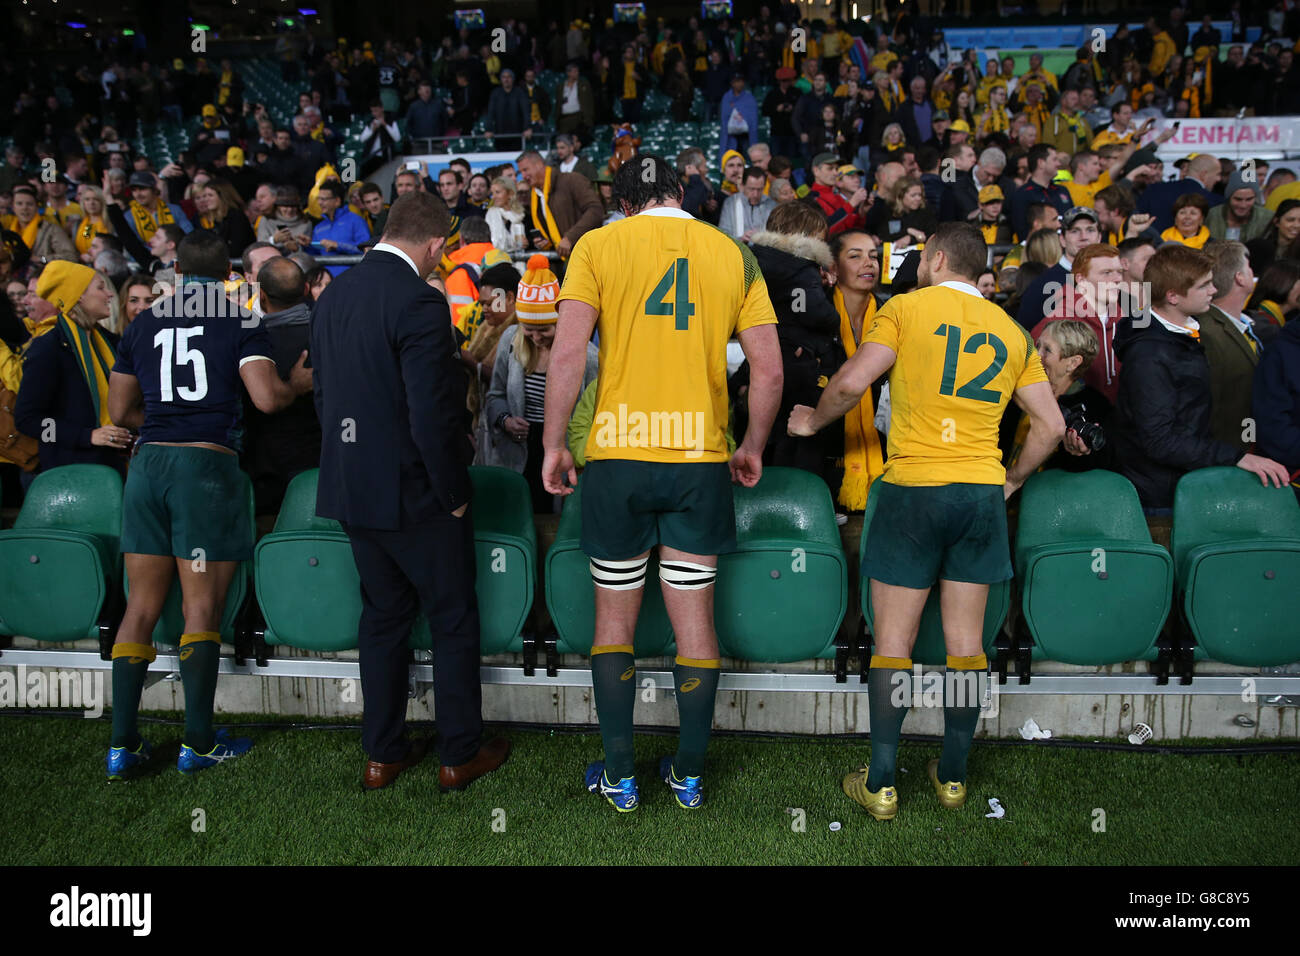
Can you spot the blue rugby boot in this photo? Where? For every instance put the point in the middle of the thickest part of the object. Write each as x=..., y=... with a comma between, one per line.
x=623, y=795
x=687, y=791
x=121, y=761
x=225, y=748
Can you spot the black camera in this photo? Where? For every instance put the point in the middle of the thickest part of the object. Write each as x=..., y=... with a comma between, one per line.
x=1090, y=433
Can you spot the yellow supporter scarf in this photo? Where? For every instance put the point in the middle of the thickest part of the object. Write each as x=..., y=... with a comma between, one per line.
x=95, y=357
x=1196, y=242
x=629, y=81
x=206, y=222
x=996, y=119
x=534, y=113
x=539, y=197
x=729, y=187
x=318, y=133
x=147, y=223
x=30, y=231
x=227, y=79
x=863, y=460
x=1038, y=116
x=86, y=231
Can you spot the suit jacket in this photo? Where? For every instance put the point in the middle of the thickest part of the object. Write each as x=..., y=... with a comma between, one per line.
x=1232, y=373
x=575, y=206
x=390, y=397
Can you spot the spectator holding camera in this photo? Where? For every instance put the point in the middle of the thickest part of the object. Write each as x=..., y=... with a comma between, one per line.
x=1162, y=424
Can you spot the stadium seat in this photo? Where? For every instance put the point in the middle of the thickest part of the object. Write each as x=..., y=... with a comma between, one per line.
x=782, y=594
x=171, y=623
x=505, y=551
x=1094, y=588
x=310, y=594
x=570, y=594
x=1236, y=548
x=60, y=561
x=929, y=648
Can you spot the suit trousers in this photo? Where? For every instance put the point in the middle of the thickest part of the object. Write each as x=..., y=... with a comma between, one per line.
x=426, y=568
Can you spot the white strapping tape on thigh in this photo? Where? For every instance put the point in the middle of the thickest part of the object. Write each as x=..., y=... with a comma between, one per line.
x=619, y=575
x=686, y=575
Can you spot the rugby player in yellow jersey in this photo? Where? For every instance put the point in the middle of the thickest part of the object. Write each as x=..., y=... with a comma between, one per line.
x=954, y=361
x=667, y=293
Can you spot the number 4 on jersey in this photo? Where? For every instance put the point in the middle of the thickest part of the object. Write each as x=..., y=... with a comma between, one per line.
x=681, y=307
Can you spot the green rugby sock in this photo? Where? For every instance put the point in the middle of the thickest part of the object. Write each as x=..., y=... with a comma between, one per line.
x=130, y=665
x=613, y=685
x=888, y=697
x=200, y=654
x=961, y=712
x=697, y=688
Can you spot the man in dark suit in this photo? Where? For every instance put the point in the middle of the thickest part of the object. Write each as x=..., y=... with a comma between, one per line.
x=390, y=397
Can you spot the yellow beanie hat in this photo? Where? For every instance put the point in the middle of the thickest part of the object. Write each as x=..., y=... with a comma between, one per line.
x=538, y=290
x=62, y=283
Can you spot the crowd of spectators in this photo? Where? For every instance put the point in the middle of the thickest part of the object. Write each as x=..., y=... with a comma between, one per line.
x=1162, y=296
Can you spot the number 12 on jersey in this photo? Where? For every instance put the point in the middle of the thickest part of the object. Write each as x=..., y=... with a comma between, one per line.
x=974, y=389
x=681, y=307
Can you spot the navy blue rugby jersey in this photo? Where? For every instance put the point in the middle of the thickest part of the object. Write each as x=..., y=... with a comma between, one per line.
x=188, y=365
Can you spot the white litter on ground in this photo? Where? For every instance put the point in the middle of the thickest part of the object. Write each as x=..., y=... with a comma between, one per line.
x=1031, y=731
x=1141, y=734
x=998, y=810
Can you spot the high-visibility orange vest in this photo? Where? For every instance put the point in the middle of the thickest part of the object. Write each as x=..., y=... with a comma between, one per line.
x=462, y=284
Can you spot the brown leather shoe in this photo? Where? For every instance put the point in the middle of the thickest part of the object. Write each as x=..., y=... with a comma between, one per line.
x=379, y=775
x=491, y=755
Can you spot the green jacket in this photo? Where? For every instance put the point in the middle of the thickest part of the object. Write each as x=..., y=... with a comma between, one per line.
x=1255, y=226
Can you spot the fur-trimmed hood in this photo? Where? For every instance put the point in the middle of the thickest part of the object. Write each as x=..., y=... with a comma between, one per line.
x=801, y=247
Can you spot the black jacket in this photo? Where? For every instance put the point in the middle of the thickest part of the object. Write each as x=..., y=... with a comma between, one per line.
x=390, y=397
x=1162, y=418
x=54, y=393
x=805, y=316
x=1276, y=398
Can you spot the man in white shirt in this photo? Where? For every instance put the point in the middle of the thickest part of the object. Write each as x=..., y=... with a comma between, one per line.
x=564, y=157
x=745, y=212
x=378, y=140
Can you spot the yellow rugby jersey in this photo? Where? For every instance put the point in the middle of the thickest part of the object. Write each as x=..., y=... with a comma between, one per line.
x=669, y=292
x=959, y=359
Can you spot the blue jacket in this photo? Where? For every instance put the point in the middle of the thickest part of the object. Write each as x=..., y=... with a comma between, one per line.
x=54, y=391
x=748, y=108
x=347, y=229
x=1158, y=200
x=1276, y=398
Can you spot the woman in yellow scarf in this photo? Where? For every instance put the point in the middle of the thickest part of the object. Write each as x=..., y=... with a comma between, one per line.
x=63, y=400
x=857, y=269
x=1190, y=210
x=93, y=222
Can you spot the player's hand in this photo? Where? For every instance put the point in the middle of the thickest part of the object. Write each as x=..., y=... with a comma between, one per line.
x=1010, y=488
x=460, y=512
x=559, y=476
x=112, y=436
x=800, y=424
x=1074, y=444
x=746, y=467
x=1267, y=469
x=300, y=375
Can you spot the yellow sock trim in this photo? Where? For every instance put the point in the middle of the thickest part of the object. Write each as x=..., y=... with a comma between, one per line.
x=712, y=665
x=196, y=637
x=612, y=649
x=135, y=650
x=891, y=663
x=975, y=662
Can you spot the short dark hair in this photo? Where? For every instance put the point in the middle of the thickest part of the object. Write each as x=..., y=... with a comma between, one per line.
x=110, y=241
x=173, y=232
x=454, y=173
x=368, y=188
x=1191, y=199
x=417, y=217
x=963, y=245
x=1037, y=155
x=1130, y=246
x=927, y=158
x=335, y=189
x=283, y=282
x=645, y=179
x=474, y=229
x=500, y=276
x=753, y=172
x=245, y=262
x=135, y=278
x=203, y=253
x=1117, y=198
x=778, y=165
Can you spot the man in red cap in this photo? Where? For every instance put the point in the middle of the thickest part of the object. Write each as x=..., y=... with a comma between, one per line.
x=779, y=106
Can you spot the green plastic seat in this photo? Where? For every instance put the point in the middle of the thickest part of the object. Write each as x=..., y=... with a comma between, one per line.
x=310, y=593
x=570, y=593
x=782, y=594
x=60, y=559
x=1236, y=548
x=505, y=552
x=1094, y=588
x=929, y=648
x=171, y=623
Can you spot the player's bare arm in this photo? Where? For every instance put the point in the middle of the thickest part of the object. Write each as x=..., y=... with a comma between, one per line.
x=845, y=389
x=1046, y=429
x=125, y=401
x=563, y=381
x=766, y=379
x=269, y=392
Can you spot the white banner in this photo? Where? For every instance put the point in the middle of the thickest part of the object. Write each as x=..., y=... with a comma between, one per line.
x=1251, y=137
